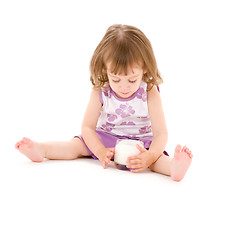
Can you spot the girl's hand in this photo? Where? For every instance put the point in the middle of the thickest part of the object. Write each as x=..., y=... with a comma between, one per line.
x=141, y=161
x=105, y=155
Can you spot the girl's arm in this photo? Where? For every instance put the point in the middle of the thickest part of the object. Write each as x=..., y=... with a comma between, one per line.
x=89, y=129
x=158, y=123
x=146, y=158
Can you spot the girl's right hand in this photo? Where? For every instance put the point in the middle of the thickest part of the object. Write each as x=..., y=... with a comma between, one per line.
x=104, y=155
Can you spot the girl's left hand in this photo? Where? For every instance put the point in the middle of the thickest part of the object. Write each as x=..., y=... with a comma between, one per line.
x=141, y=161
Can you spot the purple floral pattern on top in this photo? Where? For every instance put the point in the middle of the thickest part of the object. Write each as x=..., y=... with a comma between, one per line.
x=145, y=129
x=141, y=94
x=108, y=126
x=107, y=92
x=128, y=123
x=125, y=110
x=111, y=117
x=125, y=117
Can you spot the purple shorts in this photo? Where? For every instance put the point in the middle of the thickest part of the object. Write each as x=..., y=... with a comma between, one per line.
x=109, y=141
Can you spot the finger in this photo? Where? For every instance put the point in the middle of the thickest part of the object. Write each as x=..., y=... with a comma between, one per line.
x=136, y=166
x=137, y=170
x=109, y=155
x=134, y=161
x=107, y=160
x=112, y=150
x=134, y=157
x=140, y=148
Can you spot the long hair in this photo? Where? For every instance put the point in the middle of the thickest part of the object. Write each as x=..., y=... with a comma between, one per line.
x=124, y=46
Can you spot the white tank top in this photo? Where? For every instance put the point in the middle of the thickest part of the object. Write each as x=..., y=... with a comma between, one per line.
x=125, y=117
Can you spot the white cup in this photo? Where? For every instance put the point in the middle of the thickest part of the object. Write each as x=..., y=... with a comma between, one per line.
x=126, y=148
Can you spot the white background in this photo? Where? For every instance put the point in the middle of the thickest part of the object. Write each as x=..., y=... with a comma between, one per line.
x=45, y=49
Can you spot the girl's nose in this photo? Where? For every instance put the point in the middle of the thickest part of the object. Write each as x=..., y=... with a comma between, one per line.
x=125, y=87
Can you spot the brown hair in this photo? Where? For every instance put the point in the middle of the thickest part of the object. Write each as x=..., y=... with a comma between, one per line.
x=124, y=46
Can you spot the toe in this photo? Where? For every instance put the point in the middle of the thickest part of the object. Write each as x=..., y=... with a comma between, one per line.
x=26, y=140
x=178, y=148
x=184, y=149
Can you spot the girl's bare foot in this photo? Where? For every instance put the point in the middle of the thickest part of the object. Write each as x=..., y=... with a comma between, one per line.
x=30, y=149
x=180, y=163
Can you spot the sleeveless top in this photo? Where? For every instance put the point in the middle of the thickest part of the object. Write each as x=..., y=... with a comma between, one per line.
x=125, y=117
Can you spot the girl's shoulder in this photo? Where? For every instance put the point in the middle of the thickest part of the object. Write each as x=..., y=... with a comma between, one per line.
x=94, y=98
x=153, y=94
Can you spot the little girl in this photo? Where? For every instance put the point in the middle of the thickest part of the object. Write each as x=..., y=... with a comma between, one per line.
x=124, y=104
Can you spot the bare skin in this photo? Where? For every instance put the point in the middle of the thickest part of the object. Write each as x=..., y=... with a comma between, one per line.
x=52, y=150
x=180, y=163
x=31, y=149
x=175, y=167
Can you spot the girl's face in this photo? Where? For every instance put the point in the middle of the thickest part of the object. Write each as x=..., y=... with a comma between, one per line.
x=125, y=86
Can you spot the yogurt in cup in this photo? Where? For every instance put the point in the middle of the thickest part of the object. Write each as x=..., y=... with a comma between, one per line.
x=125, y=148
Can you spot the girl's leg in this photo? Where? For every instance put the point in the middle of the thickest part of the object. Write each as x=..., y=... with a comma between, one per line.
x=175, y=167
x=52, y=150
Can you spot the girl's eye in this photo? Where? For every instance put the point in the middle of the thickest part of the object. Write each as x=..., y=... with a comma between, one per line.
x=115, y=81
x=132, y=81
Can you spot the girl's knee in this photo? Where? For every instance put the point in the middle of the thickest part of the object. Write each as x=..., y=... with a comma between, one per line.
x=80, y=146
